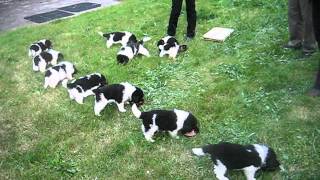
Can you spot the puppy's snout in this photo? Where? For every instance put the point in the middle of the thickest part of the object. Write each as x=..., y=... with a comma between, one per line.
x=191, y=133
x=140, y=103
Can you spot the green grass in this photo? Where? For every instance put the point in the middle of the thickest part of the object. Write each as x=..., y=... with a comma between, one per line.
x=246, y=90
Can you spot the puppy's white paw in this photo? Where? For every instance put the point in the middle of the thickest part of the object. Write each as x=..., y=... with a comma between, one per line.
x=122, y=110
x=150, y=140
x=198, y=151
x=80, y=101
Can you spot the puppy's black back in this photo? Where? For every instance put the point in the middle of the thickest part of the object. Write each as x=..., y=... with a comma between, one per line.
x=46, y=56
x=58, y=67
x=113, y=91
x=118, y=36
x=165, y=120
x=233, y=156
x=88, y=82
x=133, y=39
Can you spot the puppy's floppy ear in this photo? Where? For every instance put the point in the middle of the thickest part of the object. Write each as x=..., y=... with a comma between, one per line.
x=189, y=125
x=137, y=97
x=48, y=73
x=104, y=81
x=272, y=163
x=60, y=57
x=97, y=90
x=160, y=42
x=183, y=48
x=122, y=59
x=75, y=69
x=208, y=148
x=48, y=44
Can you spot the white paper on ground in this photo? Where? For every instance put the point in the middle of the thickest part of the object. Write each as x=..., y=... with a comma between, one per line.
x=218, y=34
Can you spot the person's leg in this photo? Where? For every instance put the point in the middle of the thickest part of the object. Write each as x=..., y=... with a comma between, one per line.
x=315, y=91
x=174, y=16
x=309, y=42
x=295, y=24
x=191, y=17
x=316, y=20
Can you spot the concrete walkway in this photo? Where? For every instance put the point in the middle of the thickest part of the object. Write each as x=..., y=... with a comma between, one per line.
x=12, y=12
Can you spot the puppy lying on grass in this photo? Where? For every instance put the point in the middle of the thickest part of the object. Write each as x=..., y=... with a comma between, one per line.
x=131, y=50
x=118, y=38
x=174, y=122
x=170, y=46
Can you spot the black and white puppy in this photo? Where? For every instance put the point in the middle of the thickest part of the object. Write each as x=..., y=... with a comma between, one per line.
x=41, y=61
x=80, y=88
x=131, y=50
x=249, y=158
x=118, y=38
x=57, y=73
x=174, y=122
x=118, y=93
x=37, y=47
x=170, y=46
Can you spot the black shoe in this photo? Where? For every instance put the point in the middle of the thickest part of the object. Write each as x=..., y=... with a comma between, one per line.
x=304, y=55
x=188, y=38
x=291, y=46
x=314, y=92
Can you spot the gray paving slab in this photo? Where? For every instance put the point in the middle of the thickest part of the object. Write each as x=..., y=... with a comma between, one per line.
x=12, y=12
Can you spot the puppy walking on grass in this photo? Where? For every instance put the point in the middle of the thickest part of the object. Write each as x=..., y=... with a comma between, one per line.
x=249, y=158
x=174, y=122
x=119, y=94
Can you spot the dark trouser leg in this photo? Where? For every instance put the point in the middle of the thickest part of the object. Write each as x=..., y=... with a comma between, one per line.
x=309, y=43
x=317, y=83
x=316, y=25
x=316, y=20
x=191, y=17
x=174, y=16
x=295, y=22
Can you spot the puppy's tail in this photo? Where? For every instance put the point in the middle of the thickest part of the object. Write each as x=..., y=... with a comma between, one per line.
x=64, y=83
x=100, y=33
x=203, y=150
x=146, y=38
x=104, y=81
x=30, y=53
x=60, y=57
x=96, y=91
x=183, y=48
x=136, y=112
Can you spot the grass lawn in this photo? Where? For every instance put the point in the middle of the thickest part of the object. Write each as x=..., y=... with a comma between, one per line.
x=246, y=90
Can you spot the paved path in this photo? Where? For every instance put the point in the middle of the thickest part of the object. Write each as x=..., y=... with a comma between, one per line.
x=12, y=12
